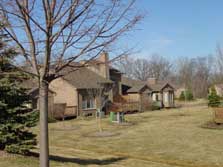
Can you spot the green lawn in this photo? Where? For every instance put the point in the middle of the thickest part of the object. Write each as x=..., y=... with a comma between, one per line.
x=157, y=139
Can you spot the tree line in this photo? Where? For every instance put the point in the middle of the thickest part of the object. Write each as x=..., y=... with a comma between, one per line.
x=195, y=74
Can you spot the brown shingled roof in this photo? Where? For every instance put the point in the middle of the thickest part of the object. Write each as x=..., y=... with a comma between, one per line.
x=137, y=85
x=84, y=78
x=136, y=88
x=131, y=82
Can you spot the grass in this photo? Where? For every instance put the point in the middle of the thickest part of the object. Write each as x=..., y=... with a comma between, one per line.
x=166, y=138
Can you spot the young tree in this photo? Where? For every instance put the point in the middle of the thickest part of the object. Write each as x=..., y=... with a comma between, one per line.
x=15, y=117
x=213, y=98
x=188, y=95
x=56, y=33
x=101, y=96
x=182, y=96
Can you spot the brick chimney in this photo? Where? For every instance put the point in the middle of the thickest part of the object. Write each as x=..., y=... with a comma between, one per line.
x=151, y=81
x=104, y=65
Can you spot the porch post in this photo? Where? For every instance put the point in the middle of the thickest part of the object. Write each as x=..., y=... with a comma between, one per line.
x=118, y=117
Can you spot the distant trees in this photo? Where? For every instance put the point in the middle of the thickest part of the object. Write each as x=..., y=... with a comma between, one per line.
x=141, y=68
x=217, y=76
x=195, y=74
x=184, y=73
x=126, y=65
x=160, y=67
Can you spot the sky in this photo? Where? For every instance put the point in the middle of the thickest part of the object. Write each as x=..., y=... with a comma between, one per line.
x=179, y=28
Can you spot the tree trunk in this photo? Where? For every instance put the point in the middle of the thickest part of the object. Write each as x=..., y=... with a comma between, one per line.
x=43, y=106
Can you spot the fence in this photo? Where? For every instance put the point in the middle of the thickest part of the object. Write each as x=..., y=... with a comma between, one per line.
x=61, y=111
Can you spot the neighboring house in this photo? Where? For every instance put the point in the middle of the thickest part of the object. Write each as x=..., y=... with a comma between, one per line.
x=219, y=89
x=79, y=87
x=33, y=91
x=152, y=90
x=79, y=90
x=76, y=93
x=102, y=67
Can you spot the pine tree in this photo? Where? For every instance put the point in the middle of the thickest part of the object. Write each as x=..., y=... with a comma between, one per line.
x=213, y=98
x=15, y=117
x=182, y=96
x=189, y=95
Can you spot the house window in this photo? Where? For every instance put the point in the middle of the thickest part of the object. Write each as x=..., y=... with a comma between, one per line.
x=157, y=97
x=88, y=103
x=166, y=97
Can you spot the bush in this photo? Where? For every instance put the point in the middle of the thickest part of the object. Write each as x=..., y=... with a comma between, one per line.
x=156, y=105
x=182, y=96
x=188, y=95
x=213, y=98
x=51, y=119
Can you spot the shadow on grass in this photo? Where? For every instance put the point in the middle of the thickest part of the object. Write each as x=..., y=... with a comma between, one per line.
x=80, y=161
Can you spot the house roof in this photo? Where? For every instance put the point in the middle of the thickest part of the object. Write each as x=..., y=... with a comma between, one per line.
x=29, y=84
x=137, y=85
x=112, y=69
x=32, y=87
x=131, y=82
x=84, y=78
x=136, y=88
x=159, y=86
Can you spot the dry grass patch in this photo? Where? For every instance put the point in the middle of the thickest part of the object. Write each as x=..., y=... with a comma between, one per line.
x=212, y=125
x=165, y=138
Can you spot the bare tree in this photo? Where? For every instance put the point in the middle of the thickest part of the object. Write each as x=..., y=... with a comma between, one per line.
x=134, y=68
x=141, y=69
x=185, y=70
x=154, y=67
x=195, y=74
x=56, y=33
x=126, y=65
x=201, y=77
x=217, y=72
x=101, y=97
x=160, y=68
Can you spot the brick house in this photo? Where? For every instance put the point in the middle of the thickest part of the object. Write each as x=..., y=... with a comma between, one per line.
x=33, y=92
x=74, y=94
x=78, y=91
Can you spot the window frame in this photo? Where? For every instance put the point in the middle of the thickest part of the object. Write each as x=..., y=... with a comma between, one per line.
x=88, y=103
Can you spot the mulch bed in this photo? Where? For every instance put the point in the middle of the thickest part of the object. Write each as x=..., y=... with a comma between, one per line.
x=212, y=125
